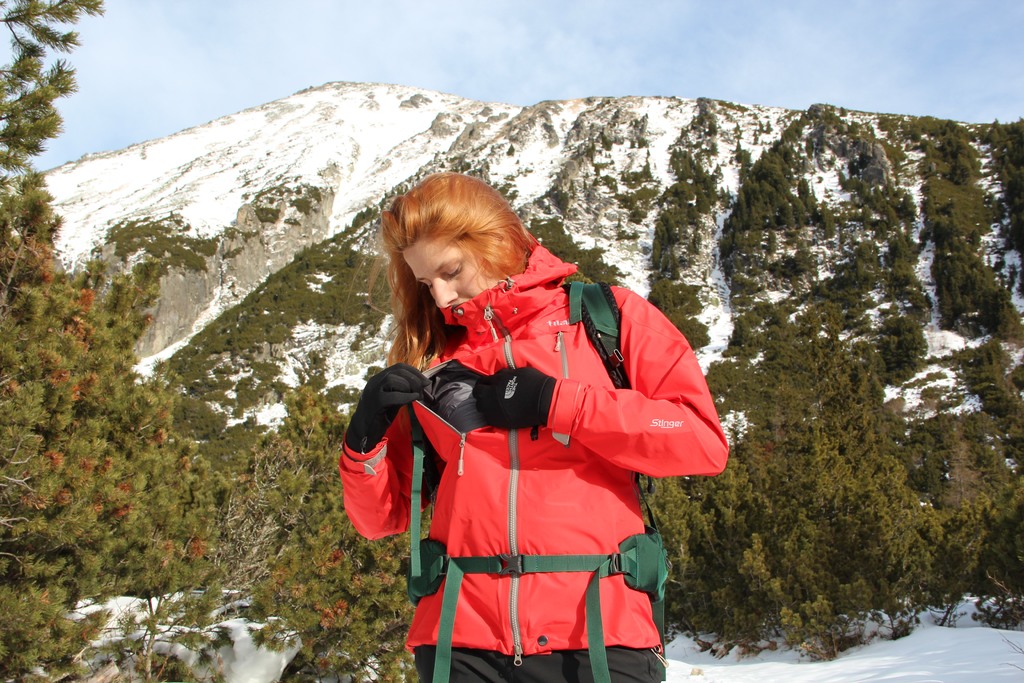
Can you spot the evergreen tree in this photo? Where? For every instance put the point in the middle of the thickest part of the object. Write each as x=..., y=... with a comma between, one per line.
x=319, y=585
x=95, y=493
x=99, y=497
x=1003, y=560
x=52, y=485
x=28, y=117
x=812, y=531
x=56, y=492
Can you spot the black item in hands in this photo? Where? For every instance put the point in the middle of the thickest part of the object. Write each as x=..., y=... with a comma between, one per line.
x=385, y=393
x=515, y=398
x=450, y=395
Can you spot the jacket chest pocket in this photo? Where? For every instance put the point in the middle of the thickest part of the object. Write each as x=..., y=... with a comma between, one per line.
x=549, y=352
x=565, y=353
x=445, y=440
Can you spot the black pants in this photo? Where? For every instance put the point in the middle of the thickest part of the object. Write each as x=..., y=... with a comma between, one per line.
x=571, y=666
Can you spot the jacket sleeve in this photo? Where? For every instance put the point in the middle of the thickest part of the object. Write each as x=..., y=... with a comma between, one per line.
x=376, y=485
x=666, y=424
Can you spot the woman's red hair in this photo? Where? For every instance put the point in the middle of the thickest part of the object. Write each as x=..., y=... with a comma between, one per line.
x=457, y=209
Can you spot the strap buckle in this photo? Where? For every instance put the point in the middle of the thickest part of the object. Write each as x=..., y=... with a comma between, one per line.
x=511, y=565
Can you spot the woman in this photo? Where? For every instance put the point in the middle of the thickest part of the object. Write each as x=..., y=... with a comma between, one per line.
x=543, y=459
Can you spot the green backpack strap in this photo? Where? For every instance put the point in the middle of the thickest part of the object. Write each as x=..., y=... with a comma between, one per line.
x=575, y=290
x=594, y=305
x=415, y=497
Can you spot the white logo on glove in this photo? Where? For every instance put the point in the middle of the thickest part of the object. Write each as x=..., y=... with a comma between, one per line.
x=510, y=388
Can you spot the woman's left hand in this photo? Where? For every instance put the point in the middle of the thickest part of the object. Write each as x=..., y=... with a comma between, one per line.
x=515, y=398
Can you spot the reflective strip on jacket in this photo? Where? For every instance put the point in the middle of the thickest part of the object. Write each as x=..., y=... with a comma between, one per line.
x=566, y=488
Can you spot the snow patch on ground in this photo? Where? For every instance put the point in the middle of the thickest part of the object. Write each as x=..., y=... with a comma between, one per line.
x=967, y=653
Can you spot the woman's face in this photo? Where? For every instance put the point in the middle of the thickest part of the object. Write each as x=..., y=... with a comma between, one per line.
x=452, y=274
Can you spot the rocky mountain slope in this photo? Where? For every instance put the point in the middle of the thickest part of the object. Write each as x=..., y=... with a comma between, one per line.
x=263, y=222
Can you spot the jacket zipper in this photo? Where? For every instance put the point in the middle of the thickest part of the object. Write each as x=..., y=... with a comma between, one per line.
x=462, y=452
x=489, y=317
x=513, y=491
x=564, y=352
x=513, y=544
x=499, y=331
x=560, y=347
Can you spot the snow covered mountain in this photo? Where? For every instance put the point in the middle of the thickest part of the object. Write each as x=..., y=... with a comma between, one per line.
x=652, y=186
x=350, y=143
x=356, y=143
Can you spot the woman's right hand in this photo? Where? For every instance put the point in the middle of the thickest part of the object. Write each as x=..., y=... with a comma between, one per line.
x=385, y=393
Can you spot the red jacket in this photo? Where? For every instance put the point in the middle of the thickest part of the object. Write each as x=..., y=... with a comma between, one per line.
x=522, y=493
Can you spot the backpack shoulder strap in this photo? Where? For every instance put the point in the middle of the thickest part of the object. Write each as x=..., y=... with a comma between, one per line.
x=594, y=305
x=415, y=495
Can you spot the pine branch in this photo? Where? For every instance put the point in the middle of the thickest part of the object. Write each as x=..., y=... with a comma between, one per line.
x=9, y=522
x=12, y=460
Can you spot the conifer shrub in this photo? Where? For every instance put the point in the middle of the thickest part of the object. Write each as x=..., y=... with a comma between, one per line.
x=768, y=201
x=1002, y=603
x=270, y=202
x=986, y=370
x=204, y=422
x=638, y=203
x=307, y=199
x=163, y=240
x=698, y=514
x=102, y=497
x=681, y=305
x=683, y=205
x=98, y=494
x=902, y=347
x=958, y=538
x=555, y=238
x=316, y=585
x=1007, y=143
x=813, y=532
x=900, y=277
x=957, y=214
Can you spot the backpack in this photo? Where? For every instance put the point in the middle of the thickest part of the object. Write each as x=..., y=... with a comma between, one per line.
x=642, y=558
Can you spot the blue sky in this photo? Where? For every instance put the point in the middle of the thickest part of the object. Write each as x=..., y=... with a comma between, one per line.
x=149, y=68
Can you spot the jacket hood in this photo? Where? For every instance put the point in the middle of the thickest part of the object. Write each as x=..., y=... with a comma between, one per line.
x=544, y=272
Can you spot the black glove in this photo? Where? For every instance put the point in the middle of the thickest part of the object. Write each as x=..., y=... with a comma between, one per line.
x=385, y=393
x=512, y=399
